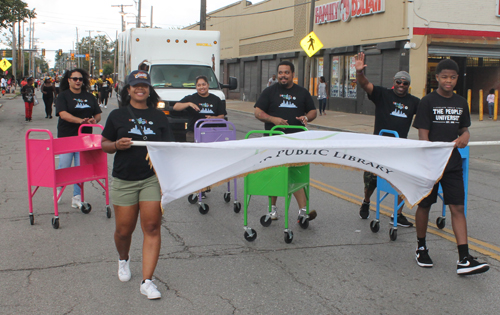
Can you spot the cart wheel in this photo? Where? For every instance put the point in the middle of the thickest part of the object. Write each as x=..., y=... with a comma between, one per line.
x=237, y=207
x=250, y=238
x=86, y=207
x=393, y=234
x=193, y=198
x=375, y=226
x=108, y=211
x=441, y=222
x=303, y=223
x=288, y=237
x=32, y=219
x=55, y=223
x=265, y=222
x=203, y=208
x=227, y=197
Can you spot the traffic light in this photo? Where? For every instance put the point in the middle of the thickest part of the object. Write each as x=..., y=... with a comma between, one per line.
x=72, y=56
x=87, y=57
x=43, y=52
x=60, y=52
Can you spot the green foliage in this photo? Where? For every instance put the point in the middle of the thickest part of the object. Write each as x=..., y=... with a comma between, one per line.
x=13, y=11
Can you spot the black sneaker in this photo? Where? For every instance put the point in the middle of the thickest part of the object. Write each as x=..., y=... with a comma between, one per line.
x=402, y=221
x=422, y=257
x=364, y=210
x=470, y=266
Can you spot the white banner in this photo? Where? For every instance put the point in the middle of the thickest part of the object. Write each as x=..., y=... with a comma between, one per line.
x=412, y=166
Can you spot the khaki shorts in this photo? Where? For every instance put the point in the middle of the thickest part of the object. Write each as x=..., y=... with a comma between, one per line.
x=130, y=192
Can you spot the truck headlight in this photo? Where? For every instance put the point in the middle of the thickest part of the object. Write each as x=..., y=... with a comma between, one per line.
x=160, y=105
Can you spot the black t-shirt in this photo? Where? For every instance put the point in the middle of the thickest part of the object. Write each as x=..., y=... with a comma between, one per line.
x=443, y=117
x=50, y=91
x=392, y=111
x=278, y=101
x=210, y=105
x=28, y=92
x=131, y=164
x=104, y=87
x=83, y=105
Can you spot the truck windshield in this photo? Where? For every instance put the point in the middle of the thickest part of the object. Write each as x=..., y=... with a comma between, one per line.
x=181, y=76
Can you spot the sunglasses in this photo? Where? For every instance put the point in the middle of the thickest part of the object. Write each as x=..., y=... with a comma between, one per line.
x=405, y=83
x=77, y=79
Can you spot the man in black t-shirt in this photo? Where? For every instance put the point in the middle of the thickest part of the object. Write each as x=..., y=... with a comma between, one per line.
x=444, y=116
x=394, y=110
x=286, y=103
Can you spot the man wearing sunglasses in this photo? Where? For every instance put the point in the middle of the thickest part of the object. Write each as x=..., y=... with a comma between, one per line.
x=394, y=110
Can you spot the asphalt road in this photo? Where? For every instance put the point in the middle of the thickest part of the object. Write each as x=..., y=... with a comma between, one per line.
x=336, y=266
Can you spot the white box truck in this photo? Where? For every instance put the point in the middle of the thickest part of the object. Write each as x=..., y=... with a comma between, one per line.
x=175, y=59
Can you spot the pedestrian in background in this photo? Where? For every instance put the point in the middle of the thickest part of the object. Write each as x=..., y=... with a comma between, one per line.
x=75, y=106
x=28, y=93
x=135, y=189
x=322, y=96
x=272, y=81
x=48, y=97
x=490, y=99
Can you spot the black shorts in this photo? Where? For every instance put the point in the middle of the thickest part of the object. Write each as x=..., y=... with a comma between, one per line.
x=453, y=190
x=370, y=181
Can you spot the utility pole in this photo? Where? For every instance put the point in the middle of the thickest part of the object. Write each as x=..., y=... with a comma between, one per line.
x=22, y=53
x=90, y=47
x=151, y=21
x=138, y=14
x=122, y=13
x=78, y=50
x=308, y=60
x=100, y=56
x=203, y=15
x=116, y=52
x=29, y=73
x=14, y=51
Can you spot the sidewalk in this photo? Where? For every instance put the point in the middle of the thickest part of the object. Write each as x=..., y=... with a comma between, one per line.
x=339, y=121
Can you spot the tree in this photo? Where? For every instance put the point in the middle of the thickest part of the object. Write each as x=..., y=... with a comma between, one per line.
x=14, y=11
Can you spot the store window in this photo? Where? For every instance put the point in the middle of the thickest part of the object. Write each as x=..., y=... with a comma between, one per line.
x=343, y=77
x=314, y=75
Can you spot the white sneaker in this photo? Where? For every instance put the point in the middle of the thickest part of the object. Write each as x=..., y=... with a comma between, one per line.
x=124, y=273
x=273, y=214
x=105, y=106
x=302, y=212
x=76, y=201
x=149, y=289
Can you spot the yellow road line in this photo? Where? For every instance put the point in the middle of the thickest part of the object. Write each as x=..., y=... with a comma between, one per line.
x=342, y=194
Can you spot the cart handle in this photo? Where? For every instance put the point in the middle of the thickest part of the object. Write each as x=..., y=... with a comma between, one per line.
x=390, y=132
x=215, y=121
x=209, y=122
x=288, y=127
x=89, y=125
x=267, y=132
x=39, y=130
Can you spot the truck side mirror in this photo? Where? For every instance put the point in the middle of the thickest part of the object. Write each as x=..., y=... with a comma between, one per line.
x=233, y=84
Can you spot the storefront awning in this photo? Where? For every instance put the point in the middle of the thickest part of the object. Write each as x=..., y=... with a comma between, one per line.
x=463, y=52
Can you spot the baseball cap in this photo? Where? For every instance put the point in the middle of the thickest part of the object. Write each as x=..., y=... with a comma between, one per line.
x=139, y=76
x=403, y=75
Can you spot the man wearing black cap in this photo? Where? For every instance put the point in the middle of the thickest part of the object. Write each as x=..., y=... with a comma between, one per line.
x=394, y=110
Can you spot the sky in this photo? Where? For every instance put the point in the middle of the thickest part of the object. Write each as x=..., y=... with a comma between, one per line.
x=57, y=20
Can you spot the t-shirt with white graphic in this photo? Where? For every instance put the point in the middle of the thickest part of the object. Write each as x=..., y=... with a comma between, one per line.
x=393, y=112
x=131, y=164
x=278, y=101
x=83, y=105
x=210, y=105
x=443, y=117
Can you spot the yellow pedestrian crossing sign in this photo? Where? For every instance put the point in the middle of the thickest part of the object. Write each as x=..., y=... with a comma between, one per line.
x=311, y=44
x=5, y=64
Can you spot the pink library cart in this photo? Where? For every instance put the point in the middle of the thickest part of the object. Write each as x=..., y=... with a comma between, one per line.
x=42, y=172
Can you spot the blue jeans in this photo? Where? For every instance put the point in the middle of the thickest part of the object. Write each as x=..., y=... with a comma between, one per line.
x=490, y=108
x=322, y=104
x=65, y=161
